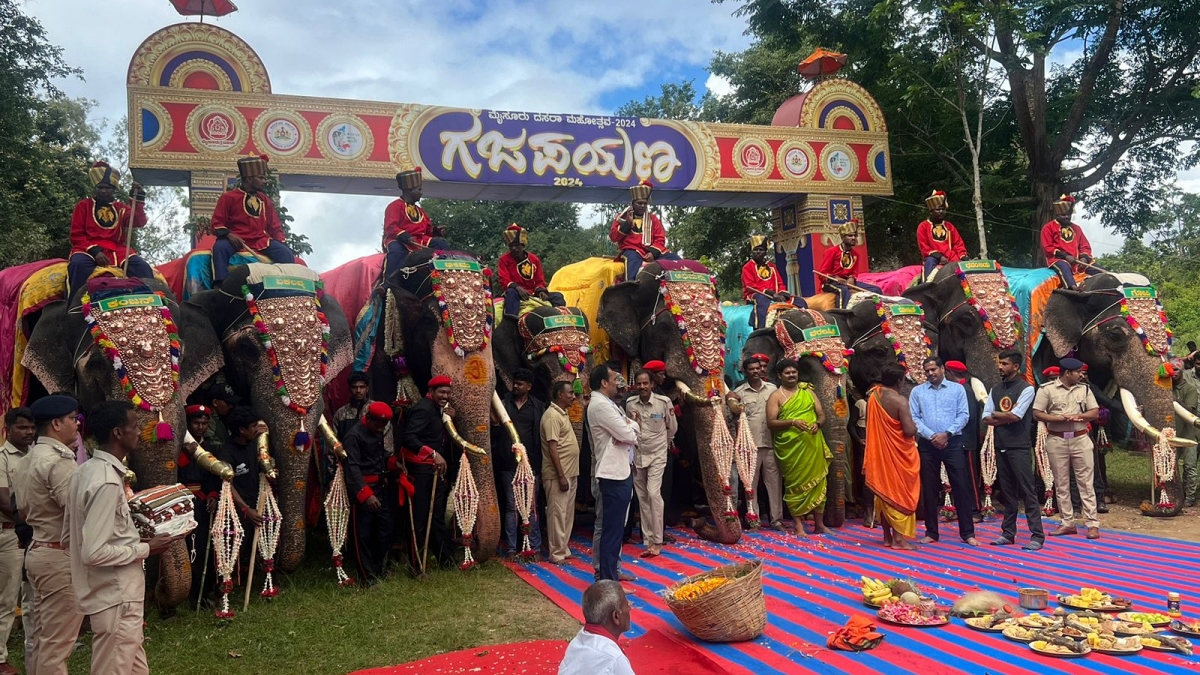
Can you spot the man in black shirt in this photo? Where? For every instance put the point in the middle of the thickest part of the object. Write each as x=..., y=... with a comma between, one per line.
x=366, y=467
x=241, y=454
x=526, y=412
x=348, y=415
x=424, y=458
x=1009, y=410
x=193, y=478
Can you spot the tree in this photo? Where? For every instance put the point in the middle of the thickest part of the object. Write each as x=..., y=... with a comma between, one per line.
x=478, y=227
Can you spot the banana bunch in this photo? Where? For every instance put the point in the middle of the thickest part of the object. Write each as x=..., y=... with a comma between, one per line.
x=877, y=592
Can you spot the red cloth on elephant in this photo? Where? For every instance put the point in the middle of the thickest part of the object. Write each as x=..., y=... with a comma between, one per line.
x=528, y=273
x=252, y=217
x=401, y=217
x=839, y=263
x=103, y=225
x=1070, y=240
x=12, y=373
x=350, y=284
x=633, y=240
x=763, y=279
x=942, y=238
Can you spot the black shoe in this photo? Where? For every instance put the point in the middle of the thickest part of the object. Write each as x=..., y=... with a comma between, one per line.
x=1101, y=508
x=978, y=517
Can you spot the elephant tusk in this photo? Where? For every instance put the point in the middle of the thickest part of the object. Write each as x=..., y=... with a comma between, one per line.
x=130, y=476
x=1129, y=402
x=506, y=421
x=206, y=460
x=457, y=438
x=264, y=455
x=981, y=392
x=1184, y=414
x=331, y=439
x=689, y=396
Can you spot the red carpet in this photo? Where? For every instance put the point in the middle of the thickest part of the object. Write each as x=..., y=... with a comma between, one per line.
x=652, y=654
x=812, y=588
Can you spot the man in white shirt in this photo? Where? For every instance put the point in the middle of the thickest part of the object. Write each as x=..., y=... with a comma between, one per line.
x=614, y=438
x=656, y=419
x=753, y=394
x=594, y=650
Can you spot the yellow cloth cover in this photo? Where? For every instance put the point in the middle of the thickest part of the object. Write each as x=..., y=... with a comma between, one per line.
x=581, y=284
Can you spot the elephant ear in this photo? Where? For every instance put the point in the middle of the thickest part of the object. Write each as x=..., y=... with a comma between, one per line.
x=507, y=347
x=341, y=341
x=200, y=354
x=49, y=353
x=1063, y=320
x=619, y=316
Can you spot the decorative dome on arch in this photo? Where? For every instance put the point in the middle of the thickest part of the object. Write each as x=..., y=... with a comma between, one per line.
x=836, y=104
x=196, y=55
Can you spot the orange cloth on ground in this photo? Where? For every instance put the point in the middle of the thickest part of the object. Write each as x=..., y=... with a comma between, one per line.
x=857, y=635
x=892, y=467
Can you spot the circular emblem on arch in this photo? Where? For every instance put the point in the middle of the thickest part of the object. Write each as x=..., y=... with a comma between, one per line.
x=877, y=163
x=217, y=128
x=344, y=137
x=154, y=126
x=752, y=158
x=796, y=160
x=283, y=131
x=838, y=162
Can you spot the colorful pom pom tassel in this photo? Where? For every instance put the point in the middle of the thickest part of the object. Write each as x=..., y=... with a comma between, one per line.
x=163, y=431
x=302, y=439
x=577, y=386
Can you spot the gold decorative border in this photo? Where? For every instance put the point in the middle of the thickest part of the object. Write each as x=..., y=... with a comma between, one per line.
x=833, y=89
x=768, y=157
x=828, y=150
x=200, y=65
x=241, y=128
x=353, y=120
x=874, y=152
x=166, y=127
x=781, y=160
x=401, y=133
x=270, y=115
x=161, y=46
x=848, y=114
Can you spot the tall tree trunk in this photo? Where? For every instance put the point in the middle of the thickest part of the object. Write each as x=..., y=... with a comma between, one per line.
x=1046, y=190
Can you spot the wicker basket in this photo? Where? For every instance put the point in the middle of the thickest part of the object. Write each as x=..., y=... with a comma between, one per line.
x=732, y=612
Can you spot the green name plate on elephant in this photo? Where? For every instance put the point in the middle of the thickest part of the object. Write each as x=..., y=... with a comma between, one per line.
x=128, y=302
x=459, y=265
x=683, y=277
x=1139, y=292
x=906, y=309
x=820, y=332
x=271, y=283
x=565, y=321
x=977, y=265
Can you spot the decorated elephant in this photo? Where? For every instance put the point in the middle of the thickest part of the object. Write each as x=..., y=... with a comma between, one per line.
x=438, y=321
x=671, y=313
x=128, y=339
x=831, y=346
x=1117, y=326
x=283, y=340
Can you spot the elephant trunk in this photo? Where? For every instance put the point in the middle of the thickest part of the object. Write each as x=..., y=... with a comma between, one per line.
x=837, y=437
x=291, y=483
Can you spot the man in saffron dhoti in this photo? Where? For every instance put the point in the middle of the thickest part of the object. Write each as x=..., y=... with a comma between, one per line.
x=891, y=462
x=794, y=416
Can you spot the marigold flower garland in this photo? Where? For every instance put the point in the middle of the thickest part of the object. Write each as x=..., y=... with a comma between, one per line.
x=103, y=341
x=695, y=589
x=227, y=541
x=465, y=496
x=987, y=467
x=264, y=336
x=1018, y=326
x=268, y=539
x=1129, y=314
x=1164, y=467
x=1043, y=467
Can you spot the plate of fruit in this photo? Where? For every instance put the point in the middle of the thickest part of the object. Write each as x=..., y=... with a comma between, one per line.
x=1167, y=643
x=1191, y=628
x=1062, y=648
x=1113, y=645
x=1134, y=629
x=904, y=614
x=1091, y=598
x=1153, y=618
x=877, y=593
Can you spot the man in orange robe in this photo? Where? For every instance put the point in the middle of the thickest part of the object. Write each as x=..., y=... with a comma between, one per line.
x=99, y=227
x=891, y=463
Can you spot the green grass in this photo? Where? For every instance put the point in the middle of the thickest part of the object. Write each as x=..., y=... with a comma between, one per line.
x=1129, y=475
x=316, y=628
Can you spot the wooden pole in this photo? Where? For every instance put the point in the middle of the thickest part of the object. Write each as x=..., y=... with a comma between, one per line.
x=839, y=281
x=129, y=233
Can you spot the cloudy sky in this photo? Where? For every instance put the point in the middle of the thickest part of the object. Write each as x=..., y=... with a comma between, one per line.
x=577, y=56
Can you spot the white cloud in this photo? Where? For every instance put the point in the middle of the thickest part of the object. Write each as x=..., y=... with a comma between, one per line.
x=718, y=85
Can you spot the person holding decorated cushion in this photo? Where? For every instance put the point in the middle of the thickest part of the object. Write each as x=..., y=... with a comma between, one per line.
x=937, y=237
x=1065, y=245
x=522, y=274
x=638, y=233
x=762, y=284
x=245, y=219
x=99, y=229
x=839, y=267
x=406, y=226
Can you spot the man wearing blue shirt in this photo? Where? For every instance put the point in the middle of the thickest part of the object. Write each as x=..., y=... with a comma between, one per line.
x=939, y=409
x=1008, y=410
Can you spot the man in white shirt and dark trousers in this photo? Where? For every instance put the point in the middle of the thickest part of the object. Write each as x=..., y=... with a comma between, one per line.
x=656, y=419
x=594, y=650
x=753, y=394
x=614, y=439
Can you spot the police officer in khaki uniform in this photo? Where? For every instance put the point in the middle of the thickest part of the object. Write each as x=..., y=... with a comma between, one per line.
x=1067, y=405
x=41, y=487
x=106, y=550
x=20, y=431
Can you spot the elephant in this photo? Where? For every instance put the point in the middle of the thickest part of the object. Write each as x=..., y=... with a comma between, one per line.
x=64, y=357
x=859, y=328
x=673, y=315
x=1090, y=322
x=437, y=321
x=284, y=382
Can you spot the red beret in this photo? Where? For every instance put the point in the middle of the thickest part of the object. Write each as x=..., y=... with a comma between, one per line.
x=1052, y=371
x=655, y=366
x=440, y=381
x=1084, y=368
x=379, y=410
x=193, y=410
x=957, y=366
x=760, y=357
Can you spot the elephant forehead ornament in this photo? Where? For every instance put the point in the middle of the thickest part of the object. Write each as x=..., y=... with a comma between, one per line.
x=903, y=324
x=464, y=298
x=823, y=341
x=564, y=335
x=987, y=290
x=140, y=338
x=1145, y=315
x=289, y=323
x=691, y=299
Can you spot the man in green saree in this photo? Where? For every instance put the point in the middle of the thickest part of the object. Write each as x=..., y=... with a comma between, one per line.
x=794, y=416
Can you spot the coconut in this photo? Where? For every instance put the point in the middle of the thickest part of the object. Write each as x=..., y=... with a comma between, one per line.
x=910, y=598
x=902, y=586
